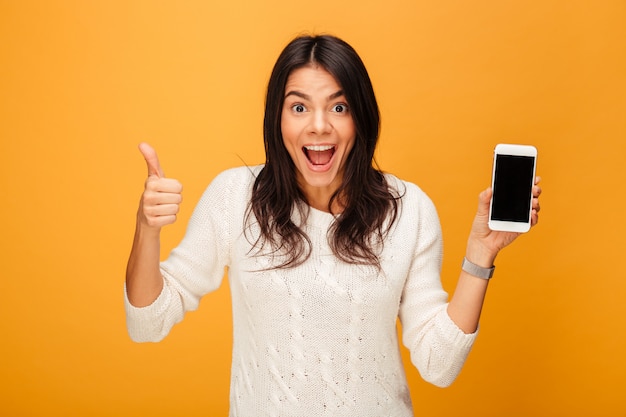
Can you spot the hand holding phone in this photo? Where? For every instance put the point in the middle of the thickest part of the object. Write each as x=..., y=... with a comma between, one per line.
x=512, y=183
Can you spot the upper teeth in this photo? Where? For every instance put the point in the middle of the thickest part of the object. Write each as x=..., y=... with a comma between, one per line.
x=318, y=148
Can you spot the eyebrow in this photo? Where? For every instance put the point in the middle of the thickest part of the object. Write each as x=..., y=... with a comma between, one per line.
x=308, y=97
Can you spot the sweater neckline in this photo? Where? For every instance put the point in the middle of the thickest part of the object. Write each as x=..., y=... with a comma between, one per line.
x=320, y=218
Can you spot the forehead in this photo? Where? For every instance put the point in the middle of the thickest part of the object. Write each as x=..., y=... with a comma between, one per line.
x=311, y=79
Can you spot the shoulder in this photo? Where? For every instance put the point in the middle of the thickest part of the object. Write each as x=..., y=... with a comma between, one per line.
x=407, y=191
x=415, y=208
x=238, y=177
x=230, y=187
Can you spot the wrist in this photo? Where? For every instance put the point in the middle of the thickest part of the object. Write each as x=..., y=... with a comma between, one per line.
x=144, y=231
x=481, y=256
x=476, y=270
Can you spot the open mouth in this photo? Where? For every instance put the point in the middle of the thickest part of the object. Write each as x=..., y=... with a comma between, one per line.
x=319, y=154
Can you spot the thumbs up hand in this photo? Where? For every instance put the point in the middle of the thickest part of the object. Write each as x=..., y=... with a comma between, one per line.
x=161, y=197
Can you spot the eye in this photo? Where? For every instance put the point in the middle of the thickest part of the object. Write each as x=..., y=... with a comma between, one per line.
x=340, y=108
x=298, y=108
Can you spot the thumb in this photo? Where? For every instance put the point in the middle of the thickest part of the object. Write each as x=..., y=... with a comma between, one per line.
x=152, y=160
x=484, y=199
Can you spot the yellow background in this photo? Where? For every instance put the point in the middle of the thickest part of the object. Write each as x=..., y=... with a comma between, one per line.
x=83, y=82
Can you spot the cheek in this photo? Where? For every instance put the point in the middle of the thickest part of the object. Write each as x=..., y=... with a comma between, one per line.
x=289, y=141
x=287, y=129
x=349, y=135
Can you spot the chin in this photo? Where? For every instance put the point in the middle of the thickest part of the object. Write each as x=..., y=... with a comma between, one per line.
x=319, y=180
x=327, y=179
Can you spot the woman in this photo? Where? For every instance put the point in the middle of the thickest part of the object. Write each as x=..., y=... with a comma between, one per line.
x=324, y=253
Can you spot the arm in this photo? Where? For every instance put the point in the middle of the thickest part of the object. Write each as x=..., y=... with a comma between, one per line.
x=157, y=208
x=482, y=248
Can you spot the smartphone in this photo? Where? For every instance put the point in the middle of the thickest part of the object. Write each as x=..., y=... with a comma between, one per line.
x=512, y=183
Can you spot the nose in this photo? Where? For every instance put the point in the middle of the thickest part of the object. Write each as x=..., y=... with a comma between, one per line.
x=320, y=123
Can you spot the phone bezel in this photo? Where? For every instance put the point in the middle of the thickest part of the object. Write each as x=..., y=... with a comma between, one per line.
x=515, y=150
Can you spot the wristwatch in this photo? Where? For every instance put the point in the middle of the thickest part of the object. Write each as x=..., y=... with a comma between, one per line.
x=477, y=271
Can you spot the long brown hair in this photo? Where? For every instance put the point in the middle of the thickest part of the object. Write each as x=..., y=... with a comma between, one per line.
x=370, y=206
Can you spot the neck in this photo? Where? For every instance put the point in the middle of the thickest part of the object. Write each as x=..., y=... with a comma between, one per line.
x=319, y=197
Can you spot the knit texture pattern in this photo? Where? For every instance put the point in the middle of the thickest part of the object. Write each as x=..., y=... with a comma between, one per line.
x=318, y=339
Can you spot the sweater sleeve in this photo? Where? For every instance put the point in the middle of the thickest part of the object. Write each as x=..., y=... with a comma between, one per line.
x=196, y=266
x=438, y=346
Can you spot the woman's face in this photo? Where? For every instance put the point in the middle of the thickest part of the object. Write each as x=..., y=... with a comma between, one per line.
x=318, y=131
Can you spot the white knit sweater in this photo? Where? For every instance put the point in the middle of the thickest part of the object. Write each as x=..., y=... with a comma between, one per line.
x=318, y=339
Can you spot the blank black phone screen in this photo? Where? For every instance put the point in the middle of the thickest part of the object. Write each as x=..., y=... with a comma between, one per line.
x=512, y=188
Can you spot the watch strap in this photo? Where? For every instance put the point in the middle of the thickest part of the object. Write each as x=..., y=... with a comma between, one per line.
x=477, y=271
